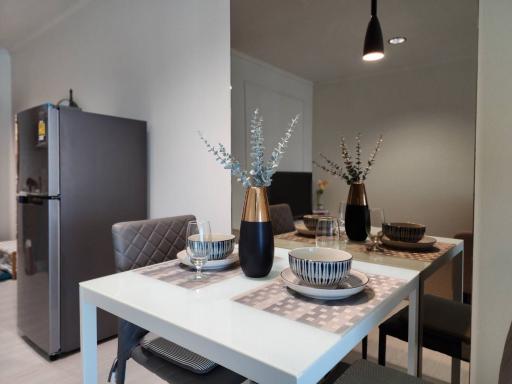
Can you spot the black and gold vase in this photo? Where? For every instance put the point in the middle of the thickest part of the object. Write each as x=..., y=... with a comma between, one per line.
x=357, y=214
x=256, y=244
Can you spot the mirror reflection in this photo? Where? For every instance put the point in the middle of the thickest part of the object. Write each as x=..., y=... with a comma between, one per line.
x=324, y=61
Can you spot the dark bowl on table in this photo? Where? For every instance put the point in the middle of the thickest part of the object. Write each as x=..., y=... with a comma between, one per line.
x=407, y=232
x=310, y=221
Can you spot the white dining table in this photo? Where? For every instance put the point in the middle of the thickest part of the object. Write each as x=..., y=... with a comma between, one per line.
x=261, y=346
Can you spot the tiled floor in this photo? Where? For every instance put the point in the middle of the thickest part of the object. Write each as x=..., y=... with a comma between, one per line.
x=19, y=363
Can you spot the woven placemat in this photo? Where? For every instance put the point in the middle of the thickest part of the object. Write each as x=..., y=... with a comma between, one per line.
x=427, y=256
x=333, y=316
x=295, y=236
x=173, y=272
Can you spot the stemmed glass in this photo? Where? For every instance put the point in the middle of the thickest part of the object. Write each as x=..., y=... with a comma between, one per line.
x=374, y=229
x=199, y=242
x=327, y=232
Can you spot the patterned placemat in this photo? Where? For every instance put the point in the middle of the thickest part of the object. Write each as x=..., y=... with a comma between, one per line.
x=173, y=272
x=295, y=236
x=334, y=316
x=428, y=256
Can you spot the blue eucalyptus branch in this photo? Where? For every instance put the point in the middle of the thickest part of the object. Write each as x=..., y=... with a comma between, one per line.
x=353, y=171
x=260, y=174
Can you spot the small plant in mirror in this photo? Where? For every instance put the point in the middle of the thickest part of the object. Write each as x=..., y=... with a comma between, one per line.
x=352, y=170
x=261, y=171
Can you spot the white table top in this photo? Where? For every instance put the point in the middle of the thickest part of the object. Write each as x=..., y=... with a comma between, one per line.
x=257, y=344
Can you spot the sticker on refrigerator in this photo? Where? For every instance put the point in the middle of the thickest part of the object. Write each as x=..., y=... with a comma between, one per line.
x=41, y=132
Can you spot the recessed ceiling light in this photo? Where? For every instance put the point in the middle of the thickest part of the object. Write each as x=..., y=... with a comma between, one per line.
x=397, y=40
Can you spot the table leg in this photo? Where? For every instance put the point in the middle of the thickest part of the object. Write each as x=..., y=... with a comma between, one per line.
x=413, y=336
x=88, y=342
x=458, y=295
x=419, y=322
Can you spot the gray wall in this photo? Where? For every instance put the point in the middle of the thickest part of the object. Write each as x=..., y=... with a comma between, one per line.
x=424, y=172
x=6, y=153
x=164, y=61
x=492, y=309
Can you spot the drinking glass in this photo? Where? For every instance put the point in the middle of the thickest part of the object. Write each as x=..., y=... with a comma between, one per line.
x=327, y=232
x=199, y=242
x=374, y=229
x=341, y=222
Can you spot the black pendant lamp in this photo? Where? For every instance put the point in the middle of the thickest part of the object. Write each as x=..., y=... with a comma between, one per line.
x=373, y=42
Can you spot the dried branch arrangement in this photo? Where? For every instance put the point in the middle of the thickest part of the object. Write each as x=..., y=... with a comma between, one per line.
x=352, y=170
x=261, y=172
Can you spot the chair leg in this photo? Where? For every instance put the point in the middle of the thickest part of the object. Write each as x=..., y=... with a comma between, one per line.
x=455, y=371
x=382, y=348
x=365, y=347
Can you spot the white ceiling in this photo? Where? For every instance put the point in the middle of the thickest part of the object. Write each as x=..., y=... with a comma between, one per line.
x=322, y=40
x=22, y=19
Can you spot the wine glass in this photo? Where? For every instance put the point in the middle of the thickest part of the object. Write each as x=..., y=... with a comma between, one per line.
x=327, y=232
x=374, y=229
x=199, y=242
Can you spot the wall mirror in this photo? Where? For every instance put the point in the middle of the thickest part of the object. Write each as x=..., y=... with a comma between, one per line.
x=305, y=57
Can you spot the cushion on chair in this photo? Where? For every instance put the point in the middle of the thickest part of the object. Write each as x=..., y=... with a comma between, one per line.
x=176, y=354
x=282, y=219
x=364, y=372
x=446, y=326
x=176, y=375
x=146, y=242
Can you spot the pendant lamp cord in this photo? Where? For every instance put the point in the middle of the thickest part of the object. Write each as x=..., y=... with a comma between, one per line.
x=374, y=7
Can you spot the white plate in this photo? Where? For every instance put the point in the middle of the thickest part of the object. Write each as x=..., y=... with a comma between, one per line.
x=353, y=284
x=210, y=264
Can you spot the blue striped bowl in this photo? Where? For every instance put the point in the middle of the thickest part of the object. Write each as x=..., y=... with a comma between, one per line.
x=221, y=246
x=320, y=267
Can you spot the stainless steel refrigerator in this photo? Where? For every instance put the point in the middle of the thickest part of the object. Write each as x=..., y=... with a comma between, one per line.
x=78, y=173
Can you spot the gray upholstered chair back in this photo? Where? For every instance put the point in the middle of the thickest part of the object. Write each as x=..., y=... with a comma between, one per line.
x=282, y=218
x=506, y=360
x=146, y=242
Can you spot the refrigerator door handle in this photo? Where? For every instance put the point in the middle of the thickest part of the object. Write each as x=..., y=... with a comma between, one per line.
x=54, y=273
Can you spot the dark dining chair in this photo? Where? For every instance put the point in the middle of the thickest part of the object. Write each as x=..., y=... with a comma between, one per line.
x=506, y=361
x=365, y=372
x=446, y=329
x=138, y=244
x=282, y=219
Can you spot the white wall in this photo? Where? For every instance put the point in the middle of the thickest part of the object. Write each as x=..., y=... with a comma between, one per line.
x=164, y=61
x=6, y=153
x=279, y=95
x=492, y=305
x=424, y=172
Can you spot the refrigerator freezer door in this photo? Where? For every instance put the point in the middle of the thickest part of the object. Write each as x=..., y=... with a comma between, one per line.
x=38, y=272
x=38, y=151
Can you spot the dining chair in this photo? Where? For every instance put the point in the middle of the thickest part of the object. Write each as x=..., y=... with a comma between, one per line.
x=506, y=361
x=365, y=372
x=282, y=219
x=138, y=244
x=446, y=329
